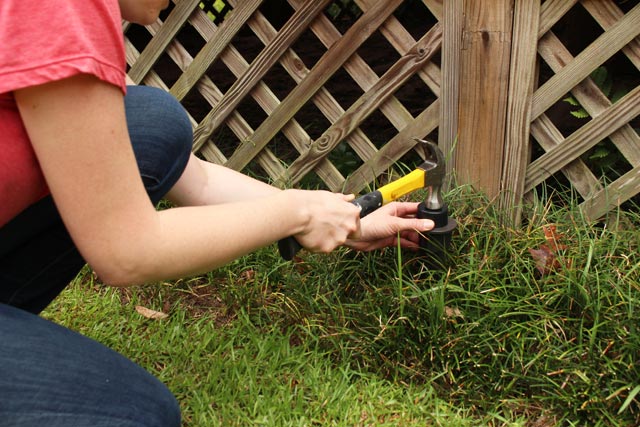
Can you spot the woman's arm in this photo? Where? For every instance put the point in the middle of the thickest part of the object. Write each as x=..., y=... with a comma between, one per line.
x=78, y=130
x=207, y=183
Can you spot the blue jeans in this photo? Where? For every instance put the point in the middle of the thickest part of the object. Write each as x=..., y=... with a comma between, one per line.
x=50, y=376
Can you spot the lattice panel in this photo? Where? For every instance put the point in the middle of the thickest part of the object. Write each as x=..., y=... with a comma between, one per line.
x=588, y=101
x=289, y=90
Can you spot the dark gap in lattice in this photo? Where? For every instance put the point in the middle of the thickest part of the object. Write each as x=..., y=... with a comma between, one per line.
x=343, y=13
x=138, y=36
x=190, y=39
x=557, y=190
x=196, y=105
x=605, y=161
x=577, y=29
x=248, y=45
x=216, y=10
x=309, y=48
x=312, y=120
x=226, y=141
x=415, y=17
x=378, y=128
x=378, y=53
x=164, y=14
x=312, y=181
x=415, y=95
x=343, y=88
x=344, y=158
x=277, y=12
x=281, y=147
x=251, y=112
x=220, y=75
x=254, y=170
x=620, y=76
x=279, y=81
x=561, y=115
x=410, y=161
x=167, y=69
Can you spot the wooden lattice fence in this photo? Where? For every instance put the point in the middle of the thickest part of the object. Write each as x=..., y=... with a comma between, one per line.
x=297, y=90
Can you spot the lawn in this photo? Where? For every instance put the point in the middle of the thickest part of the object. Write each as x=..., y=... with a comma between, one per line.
x=535, y=326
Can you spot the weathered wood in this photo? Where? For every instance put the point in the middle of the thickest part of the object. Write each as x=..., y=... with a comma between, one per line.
x=480, y=108
x=521, y=78
x=484, y=83
x=398, y=146
x=625, y=187
x=583, y=139
x=256, y=71
x=162, y=38
x=580, y=176
x=593, y=56
x=214, y=47
x=590, y=97
x=551, y=12
x=326, y=66
x=607, y=13
x=453, y=24
x=371, y=100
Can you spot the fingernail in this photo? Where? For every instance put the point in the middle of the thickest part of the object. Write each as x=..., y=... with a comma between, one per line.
x=427, y=223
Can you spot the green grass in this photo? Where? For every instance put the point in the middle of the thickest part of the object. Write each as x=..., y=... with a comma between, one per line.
x=352, y=339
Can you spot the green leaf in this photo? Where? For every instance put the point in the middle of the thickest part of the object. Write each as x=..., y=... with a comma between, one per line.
x=581, y=114
x=571, y=101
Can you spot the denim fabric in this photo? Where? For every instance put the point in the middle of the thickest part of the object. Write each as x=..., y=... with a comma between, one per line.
x=53, y=377
x=50, y=376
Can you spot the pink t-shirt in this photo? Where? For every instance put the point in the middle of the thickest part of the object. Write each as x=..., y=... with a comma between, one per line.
x=41, y=42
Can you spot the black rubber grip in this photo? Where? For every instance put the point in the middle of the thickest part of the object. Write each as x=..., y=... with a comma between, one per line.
x=288, y=247
x=368, y=203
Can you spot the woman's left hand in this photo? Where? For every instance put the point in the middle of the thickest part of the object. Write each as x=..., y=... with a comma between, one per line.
x=383, y=228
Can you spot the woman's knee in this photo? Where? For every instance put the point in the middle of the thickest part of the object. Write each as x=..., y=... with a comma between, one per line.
x=161, y=135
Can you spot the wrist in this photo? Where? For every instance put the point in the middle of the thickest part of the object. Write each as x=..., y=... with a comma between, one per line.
x=297, y=213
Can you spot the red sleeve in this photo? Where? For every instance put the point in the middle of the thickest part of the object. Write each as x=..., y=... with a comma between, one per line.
x=42, y=41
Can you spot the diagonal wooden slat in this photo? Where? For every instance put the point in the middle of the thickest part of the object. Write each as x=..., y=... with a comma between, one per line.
x=586, y=137
x=618, y=192
x=580, y=176
x=398, y=146
x=268, y=101
x=162, y=38
x=598, y=52
x=387, y=85
x=260, y=66
x=551, y=12
x=320, y=73
x=589, y=95
x=214, y=47
x=607, y=13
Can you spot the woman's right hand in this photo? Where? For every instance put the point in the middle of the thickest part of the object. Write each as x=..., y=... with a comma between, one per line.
x=330, y=219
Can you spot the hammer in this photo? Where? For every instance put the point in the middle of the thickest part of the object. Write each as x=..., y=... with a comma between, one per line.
x=430, y=175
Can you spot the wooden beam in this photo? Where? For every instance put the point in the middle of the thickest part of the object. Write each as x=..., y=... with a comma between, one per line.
x=484, y=88
x=453, y=22
x=521, y=80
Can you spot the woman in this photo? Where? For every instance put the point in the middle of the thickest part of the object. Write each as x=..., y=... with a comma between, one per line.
x=83, y=160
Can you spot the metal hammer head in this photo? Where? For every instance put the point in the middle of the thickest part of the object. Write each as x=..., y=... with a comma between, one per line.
x=434, y=167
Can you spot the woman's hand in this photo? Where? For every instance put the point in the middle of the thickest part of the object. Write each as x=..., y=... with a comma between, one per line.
x=386, y=225
x=331, y=220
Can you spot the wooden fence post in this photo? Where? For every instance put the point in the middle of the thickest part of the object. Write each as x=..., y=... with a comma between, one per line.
x=483, y=92
x=453, y=15
x=522, y=78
